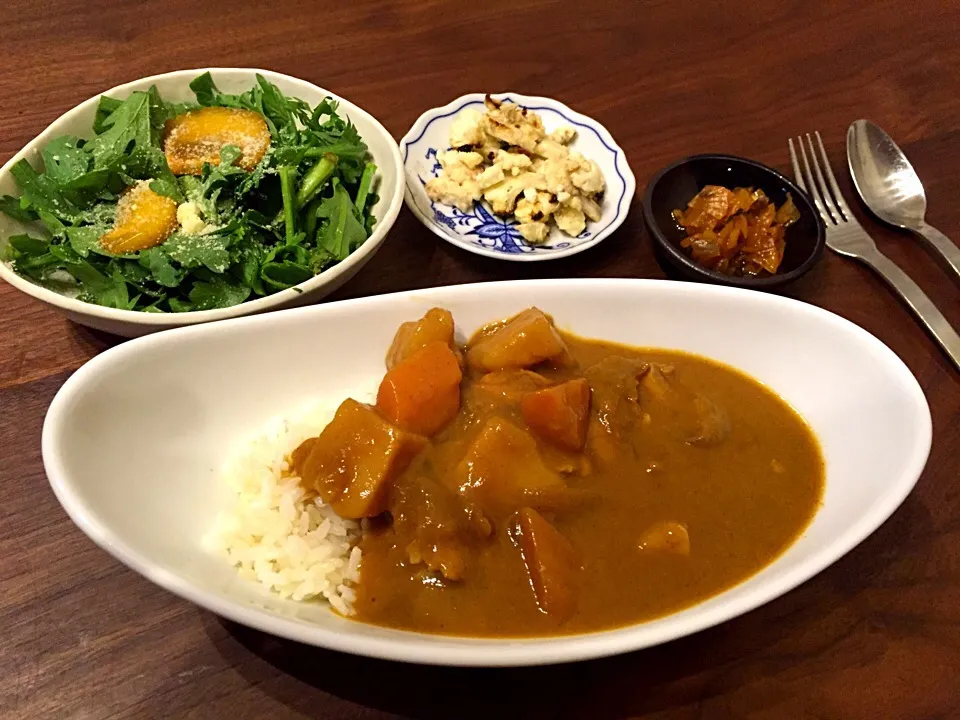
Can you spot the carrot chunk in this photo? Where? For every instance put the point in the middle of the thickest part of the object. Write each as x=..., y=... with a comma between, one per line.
x=559, y=414
x=551, y=564
x=422, y=393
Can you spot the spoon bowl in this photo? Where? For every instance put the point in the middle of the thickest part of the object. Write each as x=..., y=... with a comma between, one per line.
x=891, y=188
x=884, y=177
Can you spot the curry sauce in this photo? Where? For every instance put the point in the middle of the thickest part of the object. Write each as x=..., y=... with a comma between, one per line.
x=578, y=485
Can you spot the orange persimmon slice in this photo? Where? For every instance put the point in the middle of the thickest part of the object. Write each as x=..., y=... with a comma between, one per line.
x=197, y=137
x=144, y=219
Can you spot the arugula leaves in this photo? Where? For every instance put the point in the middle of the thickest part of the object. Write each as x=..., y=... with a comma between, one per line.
x=343, y=231
x=304, y=207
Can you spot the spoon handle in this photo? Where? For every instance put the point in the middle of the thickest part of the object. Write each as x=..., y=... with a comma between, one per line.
x=942, y=245
x=918, y=302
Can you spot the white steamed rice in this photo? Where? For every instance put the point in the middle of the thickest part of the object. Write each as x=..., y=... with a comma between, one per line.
x=299, y=548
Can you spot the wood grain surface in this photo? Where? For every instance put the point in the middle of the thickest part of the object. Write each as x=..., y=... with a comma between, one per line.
x=875, y=636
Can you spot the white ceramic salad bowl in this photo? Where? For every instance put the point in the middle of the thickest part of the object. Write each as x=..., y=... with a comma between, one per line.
x=134, y=440
x=174, y=86
x=480, y=231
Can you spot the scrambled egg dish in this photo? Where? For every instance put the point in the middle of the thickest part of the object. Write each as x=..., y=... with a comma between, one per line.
x=505, y=157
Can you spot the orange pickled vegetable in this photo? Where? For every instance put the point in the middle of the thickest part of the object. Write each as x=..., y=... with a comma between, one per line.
x=144, y=219
x=197, y=137
x=422, y=393
x=736, y=232
x=559, y=414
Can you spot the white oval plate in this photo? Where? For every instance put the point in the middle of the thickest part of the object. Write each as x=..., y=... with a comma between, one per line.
x=134, y=440
x=482, y=232
x=174, y=86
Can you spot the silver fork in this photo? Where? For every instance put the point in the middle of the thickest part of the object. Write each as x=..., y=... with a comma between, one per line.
x=845, y=235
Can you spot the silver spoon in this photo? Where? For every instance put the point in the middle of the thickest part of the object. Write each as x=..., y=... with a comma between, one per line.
x=889, y=186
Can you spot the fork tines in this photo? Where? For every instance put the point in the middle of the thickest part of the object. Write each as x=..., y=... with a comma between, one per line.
x=825, y=193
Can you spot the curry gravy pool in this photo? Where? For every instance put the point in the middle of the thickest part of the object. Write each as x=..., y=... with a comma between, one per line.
x=537, y=483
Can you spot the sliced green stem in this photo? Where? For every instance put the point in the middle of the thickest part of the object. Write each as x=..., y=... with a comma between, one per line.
x=288, y=181
x=366, y=182
x=310, y=221
x=315, y=178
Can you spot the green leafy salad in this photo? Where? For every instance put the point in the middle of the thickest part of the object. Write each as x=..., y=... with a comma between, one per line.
x=173, y=207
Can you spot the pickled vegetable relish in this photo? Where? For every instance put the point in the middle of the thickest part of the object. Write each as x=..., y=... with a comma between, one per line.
x=737, y=232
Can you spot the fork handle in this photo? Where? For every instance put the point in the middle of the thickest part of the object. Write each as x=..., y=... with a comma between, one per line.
x=918, y=302
x=942, y=245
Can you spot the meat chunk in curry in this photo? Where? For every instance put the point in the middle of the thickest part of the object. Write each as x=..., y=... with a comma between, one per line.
x=533, y=482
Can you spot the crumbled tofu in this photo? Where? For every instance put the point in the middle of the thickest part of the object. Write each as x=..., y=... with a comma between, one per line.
x=591, y=208
x=570, y=220
x=556, y=177
x=537, y=208
x=513, y=125
x=552, y=150
x=491, y=176
x=445, y=190
x=452, y=158
x=188, y=215
x=506, y=157
x=534, y=233
x=503, y=196
x=563, y=135
x=512, y=163
x=467, y=129
x=587, y=177
x=457, y=185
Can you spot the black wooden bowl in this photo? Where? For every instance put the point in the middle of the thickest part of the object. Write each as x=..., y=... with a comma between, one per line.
x=674, y=186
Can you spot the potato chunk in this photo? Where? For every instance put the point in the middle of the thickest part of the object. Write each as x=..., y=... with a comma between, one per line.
x=524, y=341
x=507, y=386
x=502, y=470
x=422, y=393
x=559, y=414
x=144, y=219
x=666, y=537
x=435, y=326
x=197, y=137
x=551, y=563
x=354, y=460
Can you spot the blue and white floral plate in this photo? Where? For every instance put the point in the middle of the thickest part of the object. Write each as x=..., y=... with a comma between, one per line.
x=482, y=232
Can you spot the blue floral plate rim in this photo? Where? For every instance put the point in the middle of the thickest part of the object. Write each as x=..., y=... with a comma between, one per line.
x=481, y=232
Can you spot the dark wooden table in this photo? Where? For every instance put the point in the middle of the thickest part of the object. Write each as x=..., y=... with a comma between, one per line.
x=875, y=636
